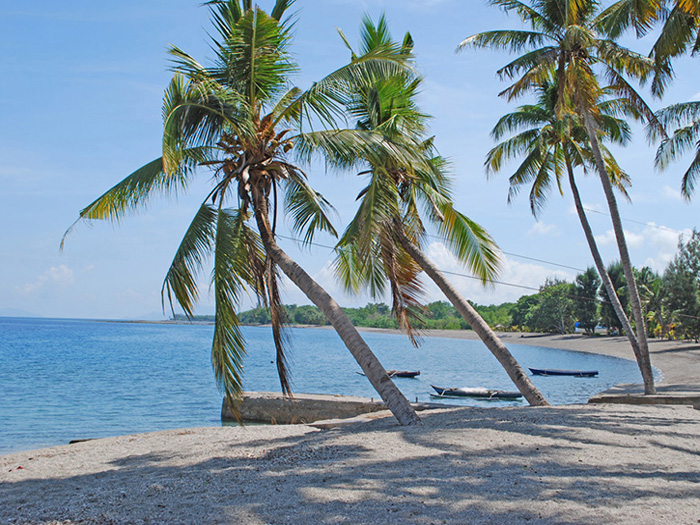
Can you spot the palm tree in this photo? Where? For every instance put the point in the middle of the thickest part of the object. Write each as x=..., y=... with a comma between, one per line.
x=551, y=145
x=236, y=119
x=680, y=33
x=653, y=292
x=383, y=241
x=570, y=35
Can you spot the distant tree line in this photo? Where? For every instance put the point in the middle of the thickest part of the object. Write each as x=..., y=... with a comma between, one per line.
x=671, y=304
x=671, y=300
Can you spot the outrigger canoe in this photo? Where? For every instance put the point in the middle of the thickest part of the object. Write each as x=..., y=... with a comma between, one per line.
x=555, y=372
x=485, y=393
x=399, y=373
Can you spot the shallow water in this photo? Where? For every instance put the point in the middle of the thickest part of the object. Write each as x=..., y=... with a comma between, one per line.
x=71, y=379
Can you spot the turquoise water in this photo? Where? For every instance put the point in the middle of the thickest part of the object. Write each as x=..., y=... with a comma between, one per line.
x=70, y=379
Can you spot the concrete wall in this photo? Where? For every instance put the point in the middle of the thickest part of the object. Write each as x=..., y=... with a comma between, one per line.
x=271, y=407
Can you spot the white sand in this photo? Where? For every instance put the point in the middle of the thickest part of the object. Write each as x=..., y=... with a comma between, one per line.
x=577, y=464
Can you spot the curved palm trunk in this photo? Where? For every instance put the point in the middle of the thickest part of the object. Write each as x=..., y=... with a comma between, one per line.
x=643, y=357
x=602, y=271
x=372, y=368
x=483, y=330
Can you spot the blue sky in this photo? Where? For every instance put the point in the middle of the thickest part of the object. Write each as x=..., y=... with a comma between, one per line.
x=80, y=99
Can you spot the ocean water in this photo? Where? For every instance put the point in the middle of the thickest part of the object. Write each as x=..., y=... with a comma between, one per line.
x=72, y=379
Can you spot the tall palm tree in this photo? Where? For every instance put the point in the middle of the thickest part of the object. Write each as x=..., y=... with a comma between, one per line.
x=653, y=292
x=235, y=120
x=383, y=242
x=551, y=145
x=679, y=34
x=571, y=35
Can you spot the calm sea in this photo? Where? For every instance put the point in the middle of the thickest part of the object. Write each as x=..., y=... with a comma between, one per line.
x=71, y=379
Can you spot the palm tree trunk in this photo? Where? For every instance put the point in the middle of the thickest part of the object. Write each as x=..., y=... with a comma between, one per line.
x=661, y=322
x=372, y=368
x=643, y=357
x=600, y=266
x=471, y=316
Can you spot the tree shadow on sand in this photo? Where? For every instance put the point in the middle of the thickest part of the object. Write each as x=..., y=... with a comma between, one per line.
x=462, y=466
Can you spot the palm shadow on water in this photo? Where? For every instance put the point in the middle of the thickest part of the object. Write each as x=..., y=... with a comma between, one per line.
x=468, y=465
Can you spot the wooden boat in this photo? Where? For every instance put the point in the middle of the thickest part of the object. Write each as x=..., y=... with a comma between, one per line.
x=399, y=373
x=555, y=372
x=403, y=373
x=485, y=393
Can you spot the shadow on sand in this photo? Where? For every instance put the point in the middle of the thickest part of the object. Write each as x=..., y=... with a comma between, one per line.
x=462, y=466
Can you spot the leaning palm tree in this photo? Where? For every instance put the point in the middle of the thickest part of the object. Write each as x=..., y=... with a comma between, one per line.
x=571, y=35
x=383, y=242
x=236, y=121
x=679, y=33
x=552, y=145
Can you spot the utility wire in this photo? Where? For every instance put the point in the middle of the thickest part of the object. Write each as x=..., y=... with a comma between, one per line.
x=464, y=275
x=502, y=283
x=664, y=228
x=528, y=258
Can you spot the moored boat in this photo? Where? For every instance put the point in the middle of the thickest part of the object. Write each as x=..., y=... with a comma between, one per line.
x=485, y=393
x=400, y=373
x=403, y=373
x=556, y=372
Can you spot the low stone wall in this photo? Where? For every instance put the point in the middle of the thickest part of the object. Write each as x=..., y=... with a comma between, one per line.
x=271, y=407
x=660, y=399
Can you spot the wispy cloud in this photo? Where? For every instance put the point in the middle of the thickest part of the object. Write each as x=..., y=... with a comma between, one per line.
x=659, y=241
x=541, y=228
x=60, y=276
x=671, y=193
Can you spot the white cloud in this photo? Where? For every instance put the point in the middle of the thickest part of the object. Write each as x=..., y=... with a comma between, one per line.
x=659, y=241
x=663, y=244
x=540, y=228
x=60, y=276
x=634, y=240
x=516, y=278
x=671, y=193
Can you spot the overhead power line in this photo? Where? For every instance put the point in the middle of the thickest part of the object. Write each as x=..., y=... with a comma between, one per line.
x=466, y=276
x=664, y=228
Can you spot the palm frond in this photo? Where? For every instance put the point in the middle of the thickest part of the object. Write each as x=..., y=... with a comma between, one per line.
x=625, y=13
x=134, y=191
x=470, y=243
x=690, y=176
x=254, y=60
x=308, y=208
x=379, y=204
x=196, y=245
x=229, y=277
x=324, y=100
x=680, y=142
x=358, y=270
x=510, y=40
x=406, y=289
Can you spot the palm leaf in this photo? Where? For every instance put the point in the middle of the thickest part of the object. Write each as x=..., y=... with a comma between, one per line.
x=309, y=209
x=510, y=40
x=228, y=346
x=133, y=192
x=196, y=245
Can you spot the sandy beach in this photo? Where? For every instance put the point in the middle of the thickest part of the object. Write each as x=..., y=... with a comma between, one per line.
x=571, y=464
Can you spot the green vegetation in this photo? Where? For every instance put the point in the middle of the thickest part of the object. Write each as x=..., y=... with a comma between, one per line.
x=671, y=303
